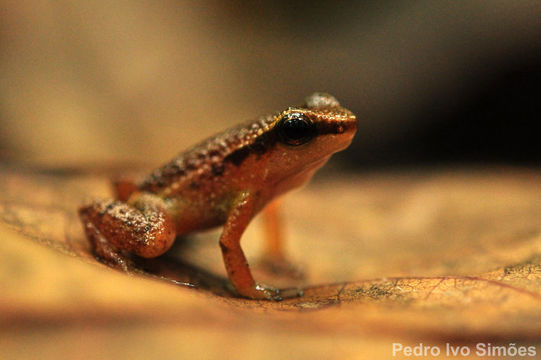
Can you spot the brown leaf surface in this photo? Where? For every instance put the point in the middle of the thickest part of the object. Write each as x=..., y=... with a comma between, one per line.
x=432, y=257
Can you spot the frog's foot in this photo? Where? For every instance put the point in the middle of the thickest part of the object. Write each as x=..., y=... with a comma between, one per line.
x=281, y=267
x=266, y=292
x=105, y=252
x=117, y=260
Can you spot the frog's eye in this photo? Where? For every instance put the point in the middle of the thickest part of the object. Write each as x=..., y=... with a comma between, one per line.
x=296, y=129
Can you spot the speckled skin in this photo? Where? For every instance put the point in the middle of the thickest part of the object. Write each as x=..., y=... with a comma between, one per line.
x=227, y=179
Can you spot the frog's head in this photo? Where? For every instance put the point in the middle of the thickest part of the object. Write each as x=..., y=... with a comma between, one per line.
x=321, y=125
x=306, y=136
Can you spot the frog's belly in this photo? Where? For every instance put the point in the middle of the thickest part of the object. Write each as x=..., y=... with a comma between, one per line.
x=196, y=215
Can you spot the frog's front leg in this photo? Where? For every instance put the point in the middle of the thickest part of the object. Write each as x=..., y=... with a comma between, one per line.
x=235, y=262
x=141, y=226
x=237, y=267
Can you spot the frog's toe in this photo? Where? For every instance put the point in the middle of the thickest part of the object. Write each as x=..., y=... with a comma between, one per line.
x=269, y=292
x=275, y=294
x=118, y=261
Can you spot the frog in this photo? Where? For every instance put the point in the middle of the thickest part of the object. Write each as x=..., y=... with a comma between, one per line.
x=225, y=180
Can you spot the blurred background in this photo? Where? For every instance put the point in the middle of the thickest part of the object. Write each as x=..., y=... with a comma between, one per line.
x=104, y=84
x=432, y=83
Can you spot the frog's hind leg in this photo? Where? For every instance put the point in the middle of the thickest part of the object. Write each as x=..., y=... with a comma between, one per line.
x=274, y=260
x=142, y=226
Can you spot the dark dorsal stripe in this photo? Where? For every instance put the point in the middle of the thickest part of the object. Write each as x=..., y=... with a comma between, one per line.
x=259, y=147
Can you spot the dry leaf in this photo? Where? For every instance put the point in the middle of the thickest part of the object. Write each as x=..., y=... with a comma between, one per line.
x=433, y=257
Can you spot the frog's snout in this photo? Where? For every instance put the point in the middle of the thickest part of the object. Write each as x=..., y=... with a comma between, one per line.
x=345, y=127
x=349, y=124
x=340, y=124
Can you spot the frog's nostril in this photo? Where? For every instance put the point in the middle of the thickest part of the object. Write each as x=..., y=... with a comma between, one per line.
x=350, y=125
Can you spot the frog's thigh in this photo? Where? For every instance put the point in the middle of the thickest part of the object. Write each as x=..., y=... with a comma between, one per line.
x=141, y=226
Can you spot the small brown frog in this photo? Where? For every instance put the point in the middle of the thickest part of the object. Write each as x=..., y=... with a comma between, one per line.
x=225, y=180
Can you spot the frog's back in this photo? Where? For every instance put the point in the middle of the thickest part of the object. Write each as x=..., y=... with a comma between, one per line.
x=248, y=155
x=207, y=160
